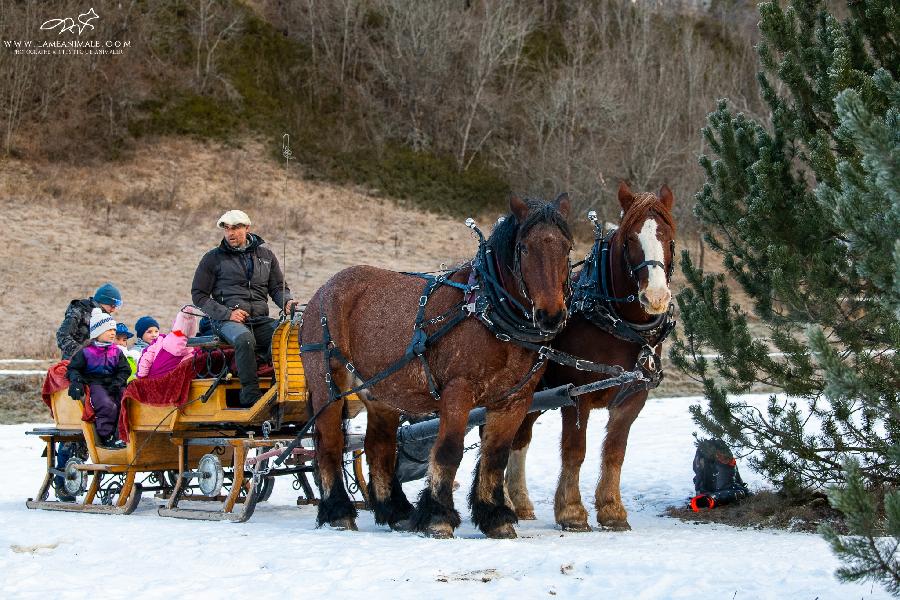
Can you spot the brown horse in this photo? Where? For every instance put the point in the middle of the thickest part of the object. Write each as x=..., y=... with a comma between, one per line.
x=644, y=238
x=371, y=317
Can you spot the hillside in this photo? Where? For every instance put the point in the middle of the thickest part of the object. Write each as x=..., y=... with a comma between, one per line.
x=144, y=225
x=447, y=106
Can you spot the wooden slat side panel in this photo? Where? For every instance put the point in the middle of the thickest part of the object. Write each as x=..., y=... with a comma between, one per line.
x=143, y=417
x=66, y=411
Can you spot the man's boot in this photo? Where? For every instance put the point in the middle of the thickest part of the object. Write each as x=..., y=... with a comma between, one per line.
x=250, y=393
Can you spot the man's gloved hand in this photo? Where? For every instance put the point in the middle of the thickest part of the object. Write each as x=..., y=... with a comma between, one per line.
x=76, y=390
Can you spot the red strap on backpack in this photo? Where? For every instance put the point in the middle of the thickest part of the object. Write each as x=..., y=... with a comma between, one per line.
x=702, y=501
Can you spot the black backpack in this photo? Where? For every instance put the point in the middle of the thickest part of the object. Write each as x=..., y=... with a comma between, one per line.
x=716, y=477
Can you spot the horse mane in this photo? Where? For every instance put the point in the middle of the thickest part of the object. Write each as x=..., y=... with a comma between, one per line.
x=502, y=240
x=642, y=206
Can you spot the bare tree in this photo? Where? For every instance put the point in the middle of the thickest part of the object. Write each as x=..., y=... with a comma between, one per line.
x=413, y=62
x=331, y=29
x=568, y=112
x=17, y=71
x=626, y=101
x=501, y=33
x=214, y=22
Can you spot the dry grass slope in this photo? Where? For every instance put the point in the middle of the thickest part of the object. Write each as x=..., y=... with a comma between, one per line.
x=145, y=223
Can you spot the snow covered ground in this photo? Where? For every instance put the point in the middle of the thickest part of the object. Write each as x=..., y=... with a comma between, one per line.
x=279, y=553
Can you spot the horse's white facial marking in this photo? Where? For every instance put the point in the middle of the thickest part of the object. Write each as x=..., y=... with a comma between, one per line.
x=657, y=291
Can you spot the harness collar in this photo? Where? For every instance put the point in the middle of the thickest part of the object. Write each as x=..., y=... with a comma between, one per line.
x=493, y=305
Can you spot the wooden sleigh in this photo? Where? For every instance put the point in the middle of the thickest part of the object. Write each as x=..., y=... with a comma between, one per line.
x=209, y=459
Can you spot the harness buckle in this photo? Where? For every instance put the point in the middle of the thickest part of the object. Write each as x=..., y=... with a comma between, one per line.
x=647, y=360
x=350, y=368
x=423, y=300
x=324, y=321
x=419, y=342
x=503, y=337
x=469, y=308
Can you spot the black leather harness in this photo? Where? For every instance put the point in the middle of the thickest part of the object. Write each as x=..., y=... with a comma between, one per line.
x=593, y=298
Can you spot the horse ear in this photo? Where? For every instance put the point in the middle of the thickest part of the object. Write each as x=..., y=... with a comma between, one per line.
x=562, y=204
x=626, y=198
x=667, y=197
x=518, y=208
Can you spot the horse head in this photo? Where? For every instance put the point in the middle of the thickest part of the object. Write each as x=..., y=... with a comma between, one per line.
x=646, y=236
x=532, y=247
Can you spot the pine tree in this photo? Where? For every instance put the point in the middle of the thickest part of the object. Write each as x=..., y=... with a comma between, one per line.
x=805, y=212
x=866, y=554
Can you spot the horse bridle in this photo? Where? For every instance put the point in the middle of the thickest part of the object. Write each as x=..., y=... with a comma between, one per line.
x=519, y=278
x=632, y=271
x=523, y=287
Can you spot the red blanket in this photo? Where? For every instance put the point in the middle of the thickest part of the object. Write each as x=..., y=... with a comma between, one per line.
x=57, y=379
x=171, y=389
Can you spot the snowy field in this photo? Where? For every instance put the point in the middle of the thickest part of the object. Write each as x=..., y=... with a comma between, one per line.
x=280, y=554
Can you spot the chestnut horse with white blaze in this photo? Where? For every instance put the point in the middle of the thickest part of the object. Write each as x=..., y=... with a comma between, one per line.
x=623, y=322
x=373, y=314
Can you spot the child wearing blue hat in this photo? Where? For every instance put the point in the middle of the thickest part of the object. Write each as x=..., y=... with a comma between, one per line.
x=75, y=328
x=122, y=337
x=72, y=334
x=122, y=334
x=147, y=329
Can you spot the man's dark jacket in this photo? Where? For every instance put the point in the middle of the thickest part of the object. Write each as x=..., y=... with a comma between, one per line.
x=228, y=278
x=76, y=326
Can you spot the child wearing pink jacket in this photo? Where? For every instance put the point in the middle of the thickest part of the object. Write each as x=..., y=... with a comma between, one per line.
x=170, y=350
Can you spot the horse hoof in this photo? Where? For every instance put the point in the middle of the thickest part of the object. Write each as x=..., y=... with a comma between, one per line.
x=504, y=532
x=575, y=526
x=526, y=515
x=621, y=525
x=344, y=525
x=402, y=525
x=442, y=531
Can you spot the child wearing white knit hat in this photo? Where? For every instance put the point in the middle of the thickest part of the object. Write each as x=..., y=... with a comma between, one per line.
x=102, y=367
x=100, y=324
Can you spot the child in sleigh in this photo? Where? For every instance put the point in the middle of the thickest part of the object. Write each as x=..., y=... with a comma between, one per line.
x=101, y=366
